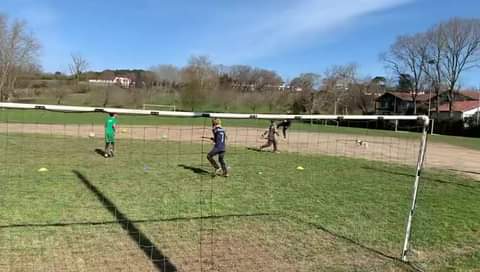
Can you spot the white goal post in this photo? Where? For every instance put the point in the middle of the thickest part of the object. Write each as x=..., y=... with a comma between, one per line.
x=422, y=119
x=78, y=109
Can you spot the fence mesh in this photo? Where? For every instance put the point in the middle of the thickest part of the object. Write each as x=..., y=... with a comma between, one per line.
x=335, y=196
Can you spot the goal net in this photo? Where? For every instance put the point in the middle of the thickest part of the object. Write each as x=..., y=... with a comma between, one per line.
x=339, y=193
x=159, y=107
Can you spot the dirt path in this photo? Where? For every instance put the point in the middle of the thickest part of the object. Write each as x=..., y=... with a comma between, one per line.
x=387, y=149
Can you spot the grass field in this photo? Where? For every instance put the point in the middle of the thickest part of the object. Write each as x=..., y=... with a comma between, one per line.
x=155, y=206
x=46, y=117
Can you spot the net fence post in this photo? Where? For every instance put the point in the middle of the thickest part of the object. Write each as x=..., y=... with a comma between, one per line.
x=420, y=161
x=433, y=127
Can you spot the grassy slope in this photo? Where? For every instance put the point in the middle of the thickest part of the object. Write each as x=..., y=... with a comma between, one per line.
x=357, y=199
x=28, y=116
x=94, y=96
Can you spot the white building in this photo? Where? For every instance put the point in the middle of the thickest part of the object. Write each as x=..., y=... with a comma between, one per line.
x=124, y=82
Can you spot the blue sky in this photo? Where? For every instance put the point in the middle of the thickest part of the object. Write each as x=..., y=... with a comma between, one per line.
x=289, y=36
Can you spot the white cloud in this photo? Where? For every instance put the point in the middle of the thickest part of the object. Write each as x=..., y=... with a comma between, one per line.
x=295, y=25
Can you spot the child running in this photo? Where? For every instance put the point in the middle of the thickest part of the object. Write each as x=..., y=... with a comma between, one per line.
x=271, y=137
x=218, y=139
x=110, y=131
x=285, y=124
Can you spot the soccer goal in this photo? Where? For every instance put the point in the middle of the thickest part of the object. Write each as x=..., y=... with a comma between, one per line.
x=301, y=195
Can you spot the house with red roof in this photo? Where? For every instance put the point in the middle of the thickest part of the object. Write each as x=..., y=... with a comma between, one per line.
x=474, y=95
x=401, y=103
x=461, y=110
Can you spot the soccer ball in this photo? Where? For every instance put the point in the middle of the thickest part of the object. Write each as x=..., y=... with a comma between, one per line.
x=91, y=134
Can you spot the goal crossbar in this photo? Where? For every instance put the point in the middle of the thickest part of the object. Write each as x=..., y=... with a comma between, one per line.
x=83, y=109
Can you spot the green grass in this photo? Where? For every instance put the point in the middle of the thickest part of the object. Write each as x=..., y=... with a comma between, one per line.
x=46, y=117
x=332, y=215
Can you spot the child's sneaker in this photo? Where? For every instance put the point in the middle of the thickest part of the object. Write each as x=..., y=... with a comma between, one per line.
x=218, y=171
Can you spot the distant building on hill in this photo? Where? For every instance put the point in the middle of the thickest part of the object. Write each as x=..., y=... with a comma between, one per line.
x=109, y=80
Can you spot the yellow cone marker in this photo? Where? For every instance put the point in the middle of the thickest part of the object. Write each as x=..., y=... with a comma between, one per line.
x=300, y=168
x=43, y=169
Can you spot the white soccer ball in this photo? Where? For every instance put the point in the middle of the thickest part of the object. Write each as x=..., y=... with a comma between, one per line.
x=91, y=134
x=164, y=136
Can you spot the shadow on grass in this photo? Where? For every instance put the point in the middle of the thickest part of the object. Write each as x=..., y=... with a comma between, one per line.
x=96, y=223
x=398, y=261
x=466, y=172
x=100, y=152
x=160, y=261
x=259, y=150
x=196, y=170
x=255, y=149
x=406, y=265
x=398, y=173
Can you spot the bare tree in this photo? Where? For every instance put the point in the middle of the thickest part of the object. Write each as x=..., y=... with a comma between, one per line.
x=198, y=77
x=282, y=101
x=226, y=98
x=336, y=84
x=407, y=56
x=60, y=92
x=247, y=78
x=309, y=84
x=18, y=52
x=192, y=94
x=304, y=102
x=242, y=76
x=200, y=69
x=265, y=79
x=253, y=100
x=78, y=66
x=433, y=66
x=460, y=46
x=362, y=94
x=166, y=74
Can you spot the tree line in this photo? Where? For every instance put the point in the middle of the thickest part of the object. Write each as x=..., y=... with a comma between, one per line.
x=18, y=53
